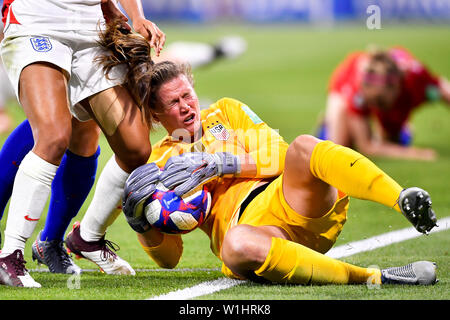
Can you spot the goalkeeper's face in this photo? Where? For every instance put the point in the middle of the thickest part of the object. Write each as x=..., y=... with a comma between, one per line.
x=178, y=109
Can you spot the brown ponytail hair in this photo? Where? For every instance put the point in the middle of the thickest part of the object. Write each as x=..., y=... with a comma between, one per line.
x=125, y=48
x=143, y=77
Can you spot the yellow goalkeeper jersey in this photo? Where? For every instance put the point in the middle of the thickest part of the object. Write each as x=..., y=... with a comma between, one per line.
x=229, y=125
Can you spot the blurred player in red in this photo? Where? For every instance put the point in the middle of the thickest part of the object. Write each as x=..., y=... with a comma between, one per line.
x=384, y=85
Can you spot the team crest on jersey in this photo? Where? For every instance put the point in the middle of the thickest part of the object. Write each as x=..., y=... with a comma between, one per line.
x=219, y=131
x=41, y=44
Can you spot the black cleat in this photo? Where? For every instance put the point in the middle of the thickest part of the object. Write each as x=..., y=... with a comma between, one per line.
x=54, y=256
x=415, y=204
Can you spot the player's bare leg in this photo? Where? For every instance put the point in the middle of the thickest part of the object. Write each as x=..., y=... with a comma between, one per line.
x=85, y=137
x=128, y=136
x=130, y=142
x=244, y=257
x=305, y=193
x=52, y=253
x=43, y=95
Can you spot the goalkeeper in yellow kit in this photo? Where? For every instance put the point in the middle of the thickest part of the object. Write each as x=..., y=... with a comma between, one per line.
x=276, y=208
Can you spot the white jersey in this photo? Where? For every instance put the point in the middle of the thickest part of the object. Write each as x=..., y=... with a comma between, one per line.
x=63, y=33
x=58, y=14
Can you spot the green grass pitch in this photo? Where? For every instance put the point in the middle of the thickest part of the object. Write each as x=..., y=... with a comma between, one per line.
x=283, y=78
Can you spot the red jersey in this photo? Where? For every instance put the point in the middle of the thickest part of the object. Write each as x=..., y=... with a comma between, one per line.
x=418, y=86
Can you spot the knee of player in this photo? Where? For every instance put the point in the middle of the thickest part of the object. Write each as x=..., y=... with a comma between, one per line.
x=136, y=157
x=53, y=145
x=302, y=147
x=86, y=132
x=241, y=249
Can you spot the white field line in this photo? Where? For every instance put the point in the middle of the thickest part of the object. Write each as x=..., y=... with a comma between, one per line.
x=342, y=251
x=383, y=240
x=201, y=289
x=45, y=269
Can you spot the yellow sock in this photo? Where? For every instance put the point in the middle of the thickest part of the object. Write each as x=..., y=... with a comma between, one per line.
x=168, y=253
x=354, y=174
x=290, y=262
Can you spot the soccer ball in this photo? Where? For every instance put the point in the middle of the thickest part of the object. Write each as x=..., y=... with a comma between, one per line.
x=172, y=214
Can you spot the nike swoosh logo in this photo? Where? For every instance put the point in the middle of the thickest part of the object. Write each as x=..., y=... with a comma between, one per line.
x=27, y=217
x=351, y=164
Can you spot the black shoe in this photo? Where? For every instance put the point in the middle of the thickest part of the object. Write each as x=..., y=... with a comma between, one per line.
x=415, y=204
x=54, y=256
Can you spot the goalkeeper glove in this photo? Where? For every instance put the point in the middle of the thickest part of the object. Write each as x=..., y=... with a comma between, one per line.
x=189, y=170
x=139, y=186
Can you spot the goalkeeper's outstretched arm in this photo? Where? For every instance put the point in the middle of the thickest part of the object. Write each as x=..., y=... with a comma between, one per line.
x=164, y=249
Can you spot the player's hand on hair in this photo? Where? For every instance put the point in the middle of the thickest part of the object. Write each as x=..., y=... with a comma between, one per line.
x=112, y=13
x=139, y=186
x=151, y=32
x=185, y=172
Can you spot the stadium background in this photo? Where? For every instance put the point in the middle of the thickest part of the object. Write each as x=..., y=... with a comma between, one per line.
x=308, y=11
x=293, y=46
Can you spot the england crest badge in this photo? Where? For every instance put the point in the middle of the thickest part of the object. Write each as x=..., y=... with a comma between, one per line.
x=219, y=131
x=41, y=44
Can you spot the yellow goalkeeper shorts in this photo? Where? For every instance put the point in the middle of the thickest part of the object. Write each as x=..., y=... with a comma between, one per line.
x=270, y=208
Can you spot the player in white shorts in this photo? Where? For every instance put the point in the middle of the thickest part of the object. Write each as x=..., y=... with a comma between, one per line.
x=48, y=52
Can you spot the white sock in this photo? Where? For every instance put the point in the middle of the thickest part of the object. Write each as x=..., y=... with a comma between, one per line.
x=106, y=203
x=29, y=197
